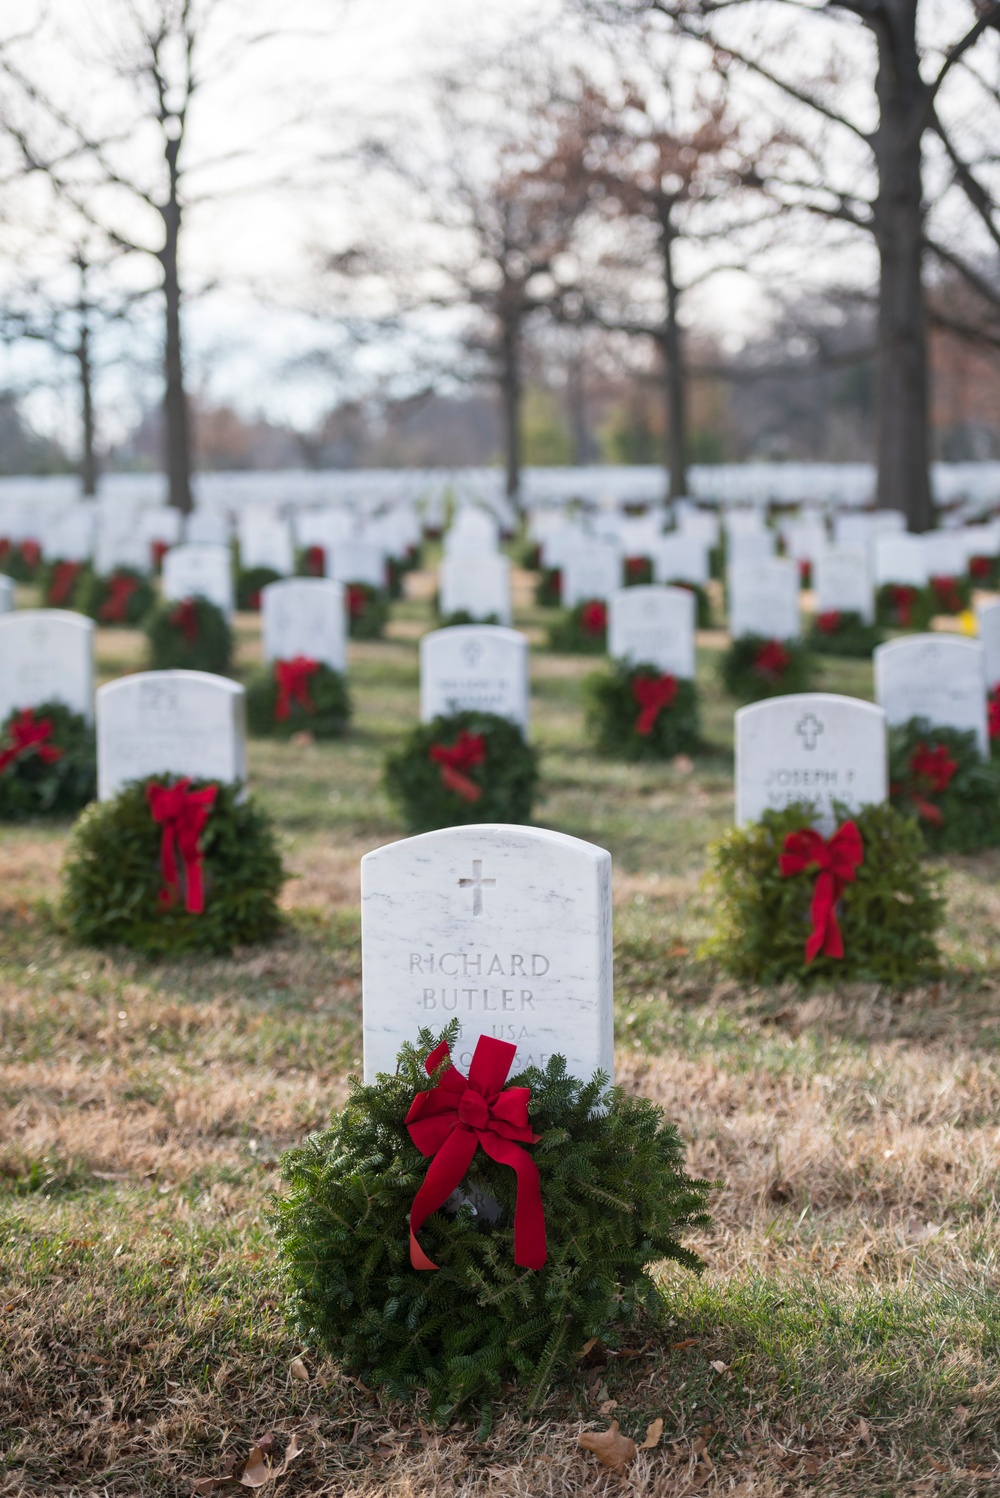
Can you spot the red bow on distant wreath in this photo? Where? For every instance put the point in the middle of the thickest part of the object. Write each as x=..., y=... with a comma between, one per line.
x=836, y=862
x=932, y=769
x=183, y=814
x=357, y=600
x=114, y=609
x=829, y=621
x=903, y=598
x=64, y=576
x=980, y=567
x=468, y=750
x=157, y=551
x=772, y=660
x=31, y=553
x=948, y=596
x=652, y=694
x=451, y=1120
x=292, y=678
x=594, y=617
x=805, y=572
x=27, y=734
x=185, y=618
x=993, y=707
x=315, y=561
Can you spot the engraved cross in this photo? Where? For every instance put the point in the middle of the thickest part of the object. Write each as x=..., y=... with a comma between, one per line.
x=810, y=728
x=476, y=884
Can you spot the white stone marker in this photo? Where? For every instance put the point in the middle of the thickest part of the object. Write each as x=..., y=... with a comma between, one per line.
x=699, y=525
x=749, y=546
x=266, y=541
x=900, y=559
x=196, y=571
x=988, y=615
x=938, y=677
x=843, y=583
x=46, y=655
x=590, y=571
x=655, y=626
x=207, y=528
x=169, y=723
x=507, y=929
x=812, y=746
x=481, y=667
x=476, y=583
x=116, y=547
x=6, y=595
x=357, y=562
x=680, y=559
x=764, y=599
x=305, y=616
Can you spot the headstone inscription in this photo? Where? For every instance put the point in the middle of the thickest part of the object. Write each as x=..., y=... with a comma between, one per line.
x=305, y=616
x=938, y=677
x=764, y=599
x=46, y=655
x=197, y=571
x=169, y=723
x=474, y=667
x=477, y=584
x=988, y=617
x=507, y=929
x=843, y=583
x=812, y=746
x=654, y=626
x=6, y=595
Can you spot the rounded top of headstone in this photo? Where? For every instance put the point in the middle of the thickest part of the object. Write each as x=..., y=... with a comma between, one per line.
x=796, y=701
x=513, y=834
x=193, y=678
x=62, y=618
x=458, y=632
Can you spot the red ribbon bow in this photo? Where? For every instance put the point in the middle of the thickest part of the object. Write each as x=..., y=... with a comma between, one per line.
x=980, y=567
x=114, y=609
x=829, y=621
x=316, y=561
x=185, y=618
x=903, y=598
x=64, y=576
x=772, y=660
x=183, y=814
x=292, y=678
x=805, y=571
x=652, y=695
x=31, y=553
x=948, y=596
x=357, y=600
x=993, y=707
x=468, y=750
x=451, y=1120
x=836, y=862
x=594, y=617
x=157, y=551
x=932, y=770
x=27, y=734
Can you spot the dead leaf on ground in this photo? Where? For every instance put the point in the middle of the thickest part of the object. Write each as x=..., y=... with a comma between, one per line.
x=864, y=1431
x=299, y=1370
x=256, y=1470
x=688, y=1342
x=612, y=1449
x=720, y=1366
x=654, y=1431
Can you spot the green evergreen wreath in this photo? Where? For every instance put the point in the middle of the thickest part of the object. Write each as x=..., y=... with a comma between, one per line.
x=638, y=571
x=249, y=582
x=112, y=878
x=582, y=630
x=34, y=783
x=60, y=583
x=703, y=604
x=950, y=594
x=367, y=611
x=462, y=616
x=938, y=777
x=189, y=634
x=548, y=589
x=328, y=718
x=842, y=632
x=20, y=560
x=613, y=715
x=888, y=916
x=903, y=606
x=124, y=592
x=615, y=1196
x=506, y=776
x=754, y=668
x=984, y=571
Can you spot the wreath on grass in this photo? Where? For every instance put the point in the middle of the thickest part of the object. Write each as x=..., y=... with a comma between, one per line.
x=984, y=571
x=139, y=865
x=843, y=632
x=367, y=611
x=703, y=604
x=805, y=572
x=48, y=762
x=765, y=886
x=938, y=777
x=295, y=696
x=582, y=630
x=189, y=634
x=462, y=616
x=249, y=583
x=548, y=589
x=122, y=597
x=311, y=561
x=530, y=556
x=60, y=582
x=462, y=768
x=615, y=1199
x=950, y=594
x=20, y=560
x=755, y=667
x=640, y=712
x=904, y=606
x=638, y=572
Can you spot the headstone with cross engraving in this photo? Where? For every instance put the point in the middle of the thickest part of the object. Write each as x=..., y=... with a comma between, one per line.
x=506, y=929
x=305, y=616
x=169, y=722
x=46, y=655
x=812, y=746
x=938, y=677
x=653, y=626
x=474, y=667
x=764, y=599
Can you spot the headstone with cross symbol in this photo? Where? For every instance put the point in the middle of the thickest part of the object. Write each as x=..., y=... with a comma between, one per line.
x=507, y=929
x=814, y=747
x=474, y=667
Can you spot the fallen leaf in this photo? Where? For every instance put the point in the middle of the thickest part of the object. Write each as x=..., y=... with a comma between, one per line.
x=688, y=1342
x=683, y=764
x=653, y=1433
x=938, y=1466
x=299, y=1370
x=608, y=1406
x=588, y=1346
x=256, y=1470
x=612, y=1449
x=303, y=738
x=720, y=1367
x=864, y=1431
x=962, y=1412
x=678, y=950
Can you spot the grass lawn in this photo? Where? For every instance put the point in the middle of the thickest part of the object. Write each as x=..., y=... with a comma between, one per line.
x=844, y=1338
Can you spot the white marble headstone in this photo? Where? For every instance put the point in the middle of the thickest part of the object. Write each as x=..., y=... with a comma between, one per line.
x=900, y=559
x=305, y=616
x=988, y=616
x=680, y=559
x=207, y=528
x=507, y=929
x=591, y=571
x=476, y=583
x=749, y=546
x=654, y=626
x=117, y=547
x=266, y=541
x=199, y=571
x=357, y=562
x=764, y=599
x=945, y=553
x=843, y=583
x=70, y=538
x=812, y=746
x=169, y=723
x=699, y=525
x=6, y=595
x=474, y=667
x=46, y=655
x=938, y=677
x=161, y=523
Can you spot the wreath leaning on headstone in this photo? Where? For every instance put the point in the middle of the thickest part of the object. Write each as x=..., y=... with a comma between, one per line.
x=172, y=866
x=47, y=762
x=702, y=602
x=60, y=582
x=189, y=634
x=249, y=582
x=367, y=611
x=641, y=712
x=122, y=597
x=513, y=1299
x=295, y=696
x=938, y=777
x=789, y=903
x=904, y=606
x=20, y=560
x=463, y=768
x=843, y=632
x=754, y=667
x=582, y=630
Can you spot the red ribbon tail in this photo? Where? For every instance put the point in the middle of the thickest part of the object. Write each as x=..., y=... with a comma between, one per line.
x=453, y=780
x=529, y=1218
x=646, y=721
x=825, y=936
x=445, y=1172
x=928, y=810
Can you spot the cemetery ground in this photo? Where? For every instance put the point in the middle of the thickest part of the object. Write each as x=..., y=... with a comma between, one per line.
x=845, y=1335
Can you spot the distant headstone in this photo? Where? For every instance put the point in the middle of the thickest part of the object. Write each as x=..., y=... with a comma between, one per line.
x=196, y=571
x=901, y=560
x=805, y=540
x=699, y=525
x=938, y=677
x=988, y=615
x=207, y=528
x=749, y=546
x=593, y=570
x=743, y=523
x=474, y=531
x=476, y=583
x=853, y=532
x=116, y=548
x=266, y=541
x=945, y=553
x=70, y=537
x=654, y=626
x=357, y=562
x=46, y=655
x=843, y=583
x=163, y=524
x=680, y=559
x=474, y=667
x=764, y=599
x=812, y=746
x=169, y=723
x=507, y=929
x=6, y=595
x=305, y=616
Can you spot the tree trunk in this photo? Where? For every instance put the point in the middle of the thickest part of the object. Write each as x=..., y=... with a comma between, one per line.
x=673, y=359
x=176, y=422
x=903, y=445
x=511, y=392
x=576, y=401
x=88, y=458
